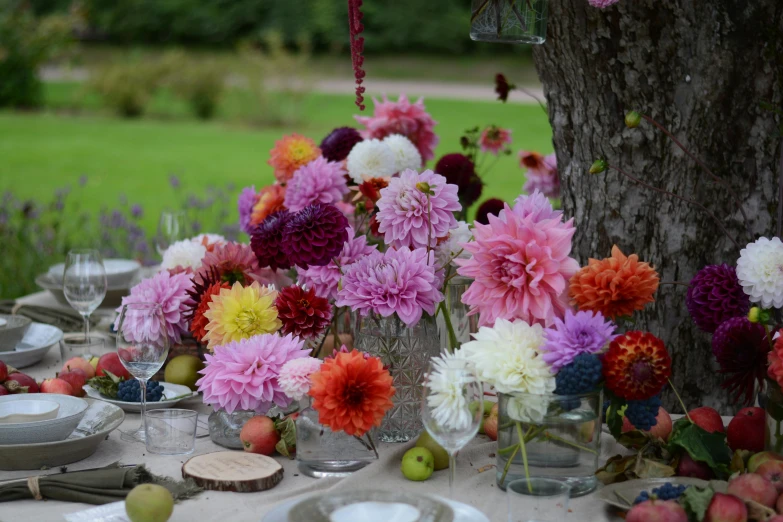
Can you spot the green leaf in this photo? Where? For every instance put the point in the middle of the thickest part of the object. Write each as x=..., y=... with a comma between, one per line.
x=702, y=446
x=614, y=416
x=287, y=443
x=695, y=501
x=649, y=468
x=617, y=469
x=107, y=385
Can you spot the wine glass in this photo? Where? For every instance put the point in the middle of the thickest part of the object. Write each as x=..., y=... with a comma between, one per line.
x=142, y=344
x=451, y=385
x=172, y=227
x=84, y=283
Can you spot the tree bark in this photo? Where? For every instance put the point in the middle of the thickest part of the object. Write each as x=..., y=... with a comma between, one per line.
x=702, y=69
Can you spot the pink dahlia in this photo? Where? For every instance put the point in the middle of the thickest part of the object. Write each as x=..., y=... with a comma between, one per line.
x=295, y=376
x=247, y=200
x=417, y=209
x=325, y=279
x=520, y=268
x=171, y=293
x=232, y=262
x=402, y=117
x=493, y=138
x=320, y=181
x=536, y=205
x=400, y=281
x=244, y=374
x=543, y=177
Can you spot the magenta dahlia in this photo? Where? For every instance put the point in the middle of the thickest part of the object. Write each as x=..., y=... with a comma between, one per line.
x=339, y=142
x=247, y=200
x=715, y=295
x=320, y=181
x=401, y=282
x=741, y=349
x=303, y=313
x=402, y=117
x=314, y=235
x=266, y=241
x=417, y=209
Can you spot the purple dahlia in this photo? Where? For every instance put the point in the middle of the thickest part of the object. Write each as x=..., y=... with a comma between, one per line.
x=266, y=240
x=715, y=295
x=339, y=142
x=741, y=348
x=314, y=235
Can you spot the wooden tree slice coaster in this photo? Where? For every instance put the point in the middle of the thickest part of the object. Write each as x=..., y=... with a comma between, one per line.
x=233, y=471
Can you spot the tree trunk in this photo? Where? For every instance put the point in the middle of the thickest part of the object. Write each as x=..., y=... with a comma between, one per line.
x=702, y=69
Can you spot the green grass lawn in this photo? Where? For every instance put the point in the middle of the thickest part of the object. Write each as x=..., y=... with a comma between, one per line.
x=40, y=152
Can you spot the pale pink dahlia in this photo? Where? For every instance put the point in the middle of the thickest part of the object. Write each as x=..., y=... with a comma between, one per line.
x=295, y=376
x=402, y=117
x=320, y=181
x=535, y=205
x=326, y=279
x=520, y=268
x=244, y=374
x=400, y=281
x=417, y=209
x=171, y=293
x=544, y=177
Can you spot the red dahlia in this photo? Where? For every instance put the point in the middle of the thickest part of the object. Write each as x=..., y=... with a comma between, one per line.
x=303, y=313
x=198, y=322
x=637, y=366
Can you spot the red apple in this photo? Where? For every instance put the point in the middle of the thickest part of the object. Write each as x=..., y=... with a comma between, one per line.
x=111, y=363
x=707, y=419
x=3, y=391
x=661, y=430
x=747, y=430
x=772, y=470
x=779, y=504
x=259, y=435
x=776, y=518
x=657, y=511
x=691, y=468
x=77, y=379
x=78, y=363
x=56, y=386
x=726, y=508
x=759, y=458
x=3, y=371
x=491, y=423
x=21, y=383
x=753, y=487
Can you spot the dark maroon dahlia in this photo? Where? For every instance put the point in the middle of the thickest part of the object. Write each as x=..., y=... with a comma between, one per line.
x=503, y=87
x=339, y=142
x=315, y=235
x=266, y=240
x=303, y=313
x=715, y=295
x=741, y=349
x=459, y=170
x=490, y=207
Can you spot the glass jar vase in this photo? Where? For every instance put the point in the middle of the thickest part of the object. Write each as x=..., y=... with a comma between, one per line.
x=456, y=327
x=509, y=21
x=406, y=352
x=773, y=405
x=224, y=427
x=561, y=434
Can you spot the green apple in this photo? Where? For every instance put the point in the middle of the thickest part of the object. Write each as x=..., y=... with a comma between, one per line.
x=417, y=464
x=487, y=408
x=441, y=456
x=149, y=503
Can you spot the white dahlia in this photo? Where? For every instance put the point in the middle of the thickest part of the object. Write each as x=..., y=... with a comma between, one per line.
x=448, y=405
x=449, y=250
x=185, y=254
x=760, y=272
x=405, y=152
x=507, y=357
x=371, y=159
x=209, y=239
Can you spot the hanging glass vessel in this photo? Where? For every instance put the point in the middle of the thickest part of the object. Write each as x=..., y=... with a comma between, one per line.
x=509, y=21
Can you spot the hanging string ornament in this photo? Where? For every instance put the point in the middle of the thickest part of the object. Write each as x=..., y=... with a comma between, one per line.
x=356, y=27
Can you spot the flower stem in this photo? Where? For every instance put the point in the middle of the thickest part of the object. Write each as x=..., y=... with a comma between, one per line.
x=508, y=463
x=684, y=409
x=524, y=456
x=574, y=444
x=449, y=326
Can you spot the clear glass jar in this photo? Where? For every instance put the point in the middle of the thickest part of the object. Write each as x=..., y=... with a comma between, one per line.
x=773, y=405
x=461, y=324
x=509, y=21
x=406, y=352
x=562, y=435
x=224, y=427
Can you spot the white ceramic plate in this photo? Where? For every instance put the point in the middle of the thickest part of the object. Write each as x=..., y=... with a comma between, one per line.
x=169, y=391
x=617, y=494
x=70, y=413
x=462, y=512
x=114, y=512
x=33, y=346
x=118, y=271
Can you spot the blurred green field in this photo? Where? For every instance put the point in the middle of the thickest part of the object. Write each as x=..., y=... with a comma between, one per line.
x=133, y=159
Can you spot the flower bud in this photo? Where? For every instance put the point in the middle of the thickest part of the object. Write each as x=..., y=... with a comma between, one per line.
x=758, y=315
x=633, y=119
x=425, y=188
x=598, y=166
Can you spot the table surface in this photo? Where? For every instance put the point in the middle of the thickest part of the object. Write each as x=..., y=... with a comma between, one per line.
x=475, y=484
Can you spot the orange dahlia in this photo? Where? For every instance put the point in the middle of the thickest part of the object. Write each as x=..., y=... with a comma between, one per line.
x=616, y=286
x=290, y=153
x=637, y=366
x=270, y=200
x=351, y=393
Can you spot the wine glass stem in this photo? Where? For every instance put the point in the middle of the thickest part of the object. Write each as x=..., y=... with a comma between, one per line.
x=86, y=318
x=452, y=473
x=143, y=387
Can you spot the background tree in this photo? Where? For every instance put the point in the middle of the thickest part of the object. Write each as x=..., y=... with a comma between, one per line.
x=705, y=70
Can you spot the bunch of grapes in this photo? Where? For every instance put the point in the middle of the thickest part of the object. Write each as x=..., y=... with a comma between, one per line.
x=642, y=414
x=130, y=391
x=666, y=492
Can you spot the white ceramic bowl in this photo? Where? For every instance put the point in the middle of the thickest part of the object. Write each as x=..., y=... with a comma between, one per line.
x=70, y=413
x=12, y=330
x=33, y=347
x=28, y=411
x=119, y=272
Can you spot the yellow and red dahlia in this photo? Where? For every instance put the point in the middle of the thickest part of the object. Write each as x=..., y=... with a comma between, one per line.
x=290, y=153
x=637, y=366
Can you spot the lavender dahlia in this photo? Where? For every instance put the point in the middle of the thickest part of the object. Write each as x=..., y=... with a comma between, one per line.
x=575, y=334
x=715, y=295
x=245, y=203
x=266, y=241
x=314, y=235
x=320, y=181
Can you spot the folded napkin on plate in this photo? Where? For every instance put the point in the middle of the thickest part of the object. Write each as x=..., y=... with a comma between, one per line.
x=65, y=320
x=97, y=486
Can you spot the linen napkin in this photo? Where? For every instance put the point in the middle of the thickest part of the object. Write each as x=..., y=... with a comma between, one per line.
x=65, y=320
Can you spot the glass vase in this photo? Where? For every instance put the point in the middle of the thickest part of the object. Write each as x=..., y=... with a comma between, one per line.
x=406, y=352
x=456, y=327
x=321, y=452
x=224, y=427
x=773, y=405
x=561, y=434
x=509, y=21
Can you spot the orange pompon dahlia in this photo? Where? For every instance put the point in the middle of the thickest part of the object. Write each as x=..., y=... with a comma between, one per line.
x=351, y=393
x=270, y=200
x=290, y=153
x=637, y=366
x=616, y=286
